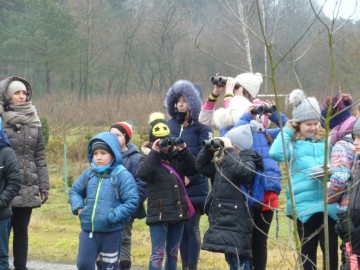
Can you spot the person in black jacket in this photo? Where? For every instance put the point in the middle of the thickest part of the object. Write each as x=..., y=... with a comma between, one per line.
x=183, y=104
x=9, y=187
x=230, y=216
x=164, y=168
x=354, y=204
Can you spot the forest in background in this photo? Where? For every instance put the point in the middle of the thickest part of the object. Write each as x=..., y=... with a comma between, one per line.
x=125, y=47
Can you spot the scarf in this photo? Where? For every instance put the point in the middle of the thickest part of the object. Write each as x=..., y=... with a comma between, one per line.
x=319, y=136
x=18, y=115
x=101, y=169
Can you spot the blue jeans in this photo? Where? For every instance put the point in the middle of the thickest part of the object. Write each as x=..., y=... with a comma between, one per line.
x=191, y=241
x=237, y=262
x=165, y=237
x=4, y=242
x=104, y=244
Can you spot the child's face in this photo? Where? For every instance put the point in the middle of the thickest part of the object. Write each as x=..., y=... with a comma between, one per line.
x=357, y=144
x=181, y=104
x=309, y=128
x=120, y=136
x=102, y=157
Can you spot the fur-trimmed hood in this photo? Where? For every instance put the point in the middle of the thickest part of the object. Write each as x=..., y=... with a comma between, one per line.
x=191, y=95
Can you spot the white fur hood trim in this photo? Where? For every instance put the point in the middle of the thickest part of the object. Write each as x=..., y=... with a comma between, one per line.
x=224, y=118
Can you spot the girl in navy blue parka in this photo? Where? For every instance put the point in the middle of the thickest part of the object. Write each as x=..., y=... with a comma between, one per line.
x=104, y=196
x=183, y=103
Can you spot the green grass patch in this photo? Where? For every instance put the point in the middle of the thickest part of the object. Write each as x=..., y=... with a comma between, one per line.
x=54, y=236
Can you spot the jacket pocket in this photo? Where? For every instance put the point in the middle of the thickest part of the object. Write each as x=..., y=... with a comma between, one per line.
x=226, y=213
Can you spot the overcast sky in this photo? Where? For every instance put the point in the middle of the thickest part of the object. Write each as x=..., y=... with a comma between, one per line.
x=346, y=8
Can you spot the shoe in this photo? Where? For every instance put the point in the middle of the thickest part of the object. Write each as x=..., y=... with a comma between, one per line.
x=124, y=265
x=98, y=264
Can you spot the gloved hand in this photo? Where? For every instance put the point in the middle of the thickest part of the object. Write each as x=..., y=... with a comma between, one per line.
x=226, y=141
x=44, y=195
x=292, y=125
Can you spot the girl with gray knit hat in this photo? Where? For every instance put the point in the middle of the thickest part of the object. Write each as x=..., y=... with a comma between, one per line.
x=23, y=128
x=304, y=140
x=354, y=204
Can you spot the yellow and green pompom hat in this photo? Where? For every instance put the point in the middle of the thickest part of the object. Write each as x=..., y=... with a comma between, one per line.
x=159, y=128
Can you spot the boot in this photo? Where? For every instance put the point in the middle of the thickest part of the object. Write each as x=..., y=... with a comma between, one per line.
x=192, y=266
x=184, y=266
x=98, y=264
x=125, y=265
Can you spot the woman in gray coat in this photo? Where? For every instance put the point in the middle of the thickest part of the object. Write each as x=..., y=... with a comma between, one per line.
x=22, y=126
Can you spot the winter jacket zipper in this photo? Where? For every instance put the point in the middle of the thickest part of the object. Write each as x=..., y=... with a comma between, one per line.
x=95, y=205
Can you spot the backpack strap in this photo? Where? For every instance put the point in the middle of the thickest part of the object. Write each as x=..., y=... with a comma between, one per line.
x=114, y=175
x=88, y=176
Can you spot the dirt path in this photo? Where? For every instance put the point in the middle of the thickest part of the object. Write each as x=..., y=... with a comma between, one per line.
x=41, y=265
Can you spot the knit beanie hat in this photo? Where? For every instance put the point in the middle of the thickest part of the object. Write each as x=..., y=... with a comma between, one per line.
x=340, y=109
x=159, y=128
x=125, y=128
x=356, y=127
x=101, y=145
x=242, y=136
x=13, y=87
x=305, y=108
x=251, y=82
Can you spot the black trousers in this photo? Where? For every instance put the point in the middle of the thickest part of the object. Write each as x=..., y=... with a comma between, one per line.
x=20, y=224
x=262, y=221
x=311, y=233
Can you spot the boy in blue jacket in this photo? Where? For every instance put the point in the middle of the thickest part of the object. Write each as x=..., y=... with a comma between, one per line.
x=105, y=196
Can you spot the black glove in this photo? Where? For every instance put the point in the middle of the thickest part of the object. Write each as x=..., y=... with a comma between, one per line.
x=44, y=195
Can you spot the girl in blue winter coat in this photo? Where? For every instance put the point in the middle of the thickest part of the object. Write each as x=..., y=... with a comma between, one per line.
x=183, y=104
x=304, y=141
x=104, y=196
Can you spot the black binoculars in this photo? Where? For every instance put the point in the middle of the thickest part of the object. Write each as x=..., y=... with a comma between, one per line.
x=213, y=144
x=170, y=141
x=261, y=109
x=221, y=81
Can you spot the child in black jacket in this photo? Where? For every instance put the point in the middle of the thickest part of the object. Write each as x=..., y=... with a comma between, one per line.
x=164, y=168
x=354, y=204
x=231, y=167
x=9, y=187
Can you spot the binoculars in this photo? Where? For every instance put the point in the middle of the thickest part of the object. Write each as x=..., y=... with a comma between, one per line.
x=170, y=141
x=221, y=81
x=212, y=144
x=261, y=109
